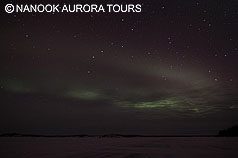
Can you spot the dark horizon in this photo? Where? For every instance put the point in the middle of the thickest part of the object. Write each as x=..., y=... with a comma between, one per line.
x=101, y=135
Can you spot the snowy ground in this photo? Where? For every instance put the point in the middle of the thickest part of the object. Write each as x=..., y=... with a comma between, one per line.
x=119, y=147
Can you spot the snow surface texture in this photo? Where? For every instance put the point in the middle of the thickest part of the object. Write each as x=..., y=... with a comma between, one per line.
x=119, y=147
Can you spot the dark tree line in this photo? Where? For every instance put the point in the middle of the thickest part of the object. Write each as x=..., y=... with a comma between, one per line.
x=229, y=132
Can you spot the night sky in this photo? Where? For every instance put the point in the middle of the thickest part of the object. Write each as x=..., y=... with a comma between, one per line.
x=169, y=70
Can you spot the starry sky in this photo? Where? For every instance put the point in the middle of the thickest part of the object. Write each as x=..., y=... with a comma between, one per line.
x=169, y=70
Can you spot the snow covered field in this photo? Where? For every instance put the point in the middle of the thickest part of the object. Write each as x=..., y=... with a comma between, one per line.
x=166, y=147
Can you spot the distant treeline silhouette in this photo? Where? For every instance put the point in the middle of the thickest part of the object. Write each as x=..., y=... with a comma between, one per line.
x=229, y=132
x=99, y=136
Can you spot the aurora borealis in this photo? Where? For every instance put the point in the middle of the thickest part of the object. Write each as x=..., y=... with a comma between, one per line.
x=171, y=69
